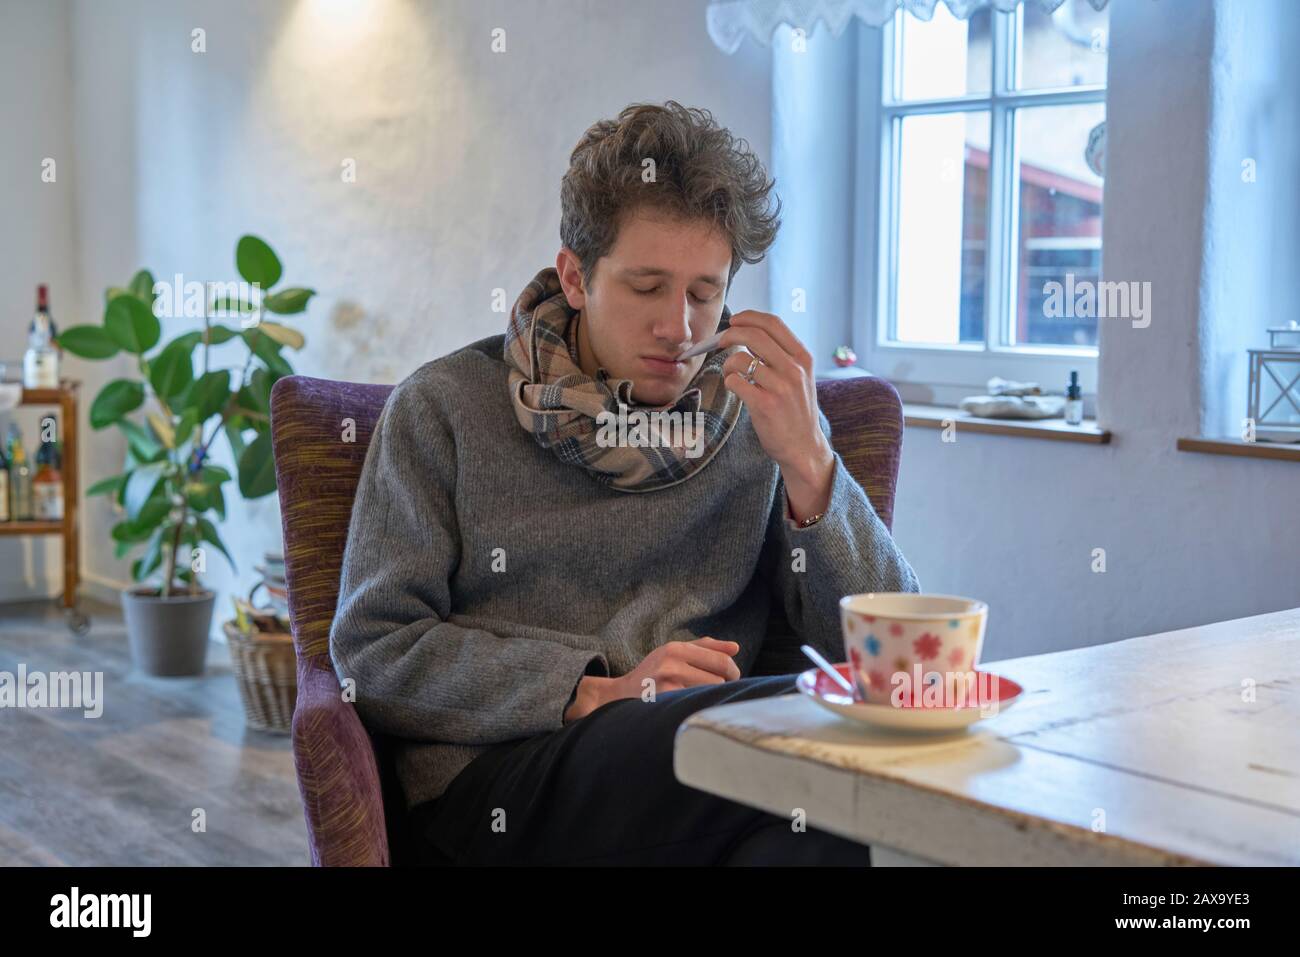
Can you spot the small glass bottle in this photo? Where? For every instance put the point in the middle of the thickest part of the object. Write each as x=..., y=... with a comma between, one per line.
x=20, y=479
x=4, y=486
x=1074, y=401
x=47, y=483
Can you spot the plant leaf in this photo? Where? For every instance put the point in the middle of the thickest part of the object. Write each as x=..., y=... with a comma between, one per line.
x=199, y=497
x=113, y=483
x=287, y=302
x=155, y=509
x=246, y=400
x=208, y=533
x=266, y=349
x=235, y=435
x=186, y=425
x=187, y=339
x=88, y=342
x=127, y=533
x=142, y=287
x=283, y=334
x=114, y=401
x=217, y=334
x=140, y=485
x=162, y=429
x=210, y=394
x=259, y=388
x=132, y=324
x=257, y=468
x=141, y=442
x=121, y=532
x=152, y=557
x=224, y=305
x=172, y=370
x=256, y=262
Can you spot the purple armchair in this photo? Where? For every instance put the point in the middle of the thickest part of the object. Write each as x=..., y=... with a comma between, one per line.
x=353, y=803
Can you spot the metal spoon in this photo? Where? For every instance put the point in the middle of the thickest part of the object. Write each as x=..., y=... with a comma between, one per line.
x=827, y=667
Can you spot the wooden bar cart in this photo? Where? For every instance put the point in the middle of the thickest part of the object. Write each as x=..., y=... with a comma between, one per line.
x=65, y=397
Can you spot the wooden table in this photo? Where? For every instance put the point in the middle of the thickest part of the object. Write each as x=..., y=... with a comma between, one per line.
x=1147, y=751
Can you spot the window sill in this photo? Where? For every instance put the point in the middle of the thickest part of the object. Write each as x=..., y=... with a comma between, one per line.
x=937, y=416
x=1278, y=451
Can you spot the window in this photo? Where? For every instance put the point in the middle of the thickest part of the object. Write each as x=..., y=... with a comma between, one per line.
x=984, y=199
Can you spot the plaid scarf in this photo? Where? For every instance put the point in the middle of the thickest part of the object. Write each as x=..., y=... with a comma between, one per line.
x=558, y=403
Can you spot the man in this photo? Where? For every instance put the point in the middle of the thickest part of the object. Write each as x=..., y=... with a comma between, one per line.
x=532, y=601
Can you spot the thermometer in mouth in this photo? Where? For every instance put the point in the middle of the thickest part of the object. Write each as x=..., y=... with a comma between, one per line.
x=708, y=345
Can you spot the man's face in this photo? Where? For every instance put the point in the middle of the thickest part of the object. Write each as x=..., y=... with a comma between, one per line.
x=658, y=292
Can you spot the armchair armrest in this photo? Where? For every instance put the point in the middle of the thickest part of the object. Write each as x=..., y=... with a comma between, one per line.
x=337, y=772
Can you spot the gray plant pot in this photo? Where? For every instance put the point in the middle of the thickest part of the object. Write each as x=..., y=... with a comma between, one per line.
x=168, y=636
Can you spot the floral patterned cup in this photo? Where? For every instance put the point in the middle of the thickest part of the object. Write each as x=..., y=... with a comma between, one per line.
x=899, y=644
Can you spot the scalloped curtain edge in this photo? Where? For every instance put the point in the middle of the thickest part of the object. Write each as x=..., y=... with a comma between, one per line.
x=730, y=21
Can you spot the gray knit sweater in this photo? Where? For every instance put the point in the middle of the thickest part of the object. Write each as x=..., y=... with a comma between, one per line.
x=483, y=577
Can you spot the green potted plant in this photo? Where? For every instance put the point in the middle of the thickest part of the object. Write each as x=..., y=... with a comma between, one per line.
x=171, y=413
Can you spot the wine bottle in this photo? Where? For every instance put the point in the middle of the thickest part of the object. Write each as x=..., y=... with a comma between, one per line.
x=41, y=361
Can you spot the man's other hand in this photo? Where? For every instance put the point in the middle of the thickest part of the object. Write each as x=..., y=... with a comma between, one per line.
x=670, y=667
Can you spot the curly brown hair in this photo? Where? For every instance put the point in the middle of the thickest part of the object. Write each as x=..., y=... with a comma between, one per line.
x=701, y=172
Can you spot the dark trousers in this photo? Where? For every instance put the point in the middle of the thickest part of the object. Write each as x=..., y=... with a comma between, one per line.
x=601, y=791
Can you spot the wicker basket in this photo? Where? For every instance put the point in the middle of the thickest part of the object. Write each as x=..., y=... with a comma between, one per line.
x=266, y=672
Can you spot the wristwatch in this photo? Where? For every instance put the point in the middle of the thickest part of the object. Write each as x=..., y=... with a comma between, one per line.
x=789, y=514
x=812, y=521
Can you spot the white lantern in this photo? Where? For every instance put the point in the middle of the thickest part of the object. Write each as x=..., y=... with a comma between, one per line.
x=1274, y=402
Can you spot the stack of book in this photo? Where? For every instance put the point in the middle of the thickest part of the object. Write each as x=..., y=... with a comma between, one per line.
x=277, y=589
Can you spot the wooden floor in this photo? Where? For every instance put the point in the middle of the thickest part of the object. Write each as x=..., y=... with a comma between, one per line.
x=121, y=789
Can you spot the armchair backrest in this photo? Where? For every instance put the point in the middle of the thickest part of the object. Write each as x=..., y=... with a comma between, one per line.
x=320, y=432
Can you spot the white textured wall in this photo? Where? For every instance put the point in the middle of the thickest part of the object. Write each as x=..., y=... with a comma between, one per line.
x=36, y=231
x=459, y=153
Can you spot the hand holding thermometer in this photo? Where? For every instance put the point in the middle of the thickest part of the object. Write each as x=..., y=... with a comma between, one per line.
x=708, y=345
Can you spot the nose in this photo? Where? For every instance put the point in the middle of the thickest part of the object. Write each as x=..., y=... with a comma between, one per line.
x=674, y=326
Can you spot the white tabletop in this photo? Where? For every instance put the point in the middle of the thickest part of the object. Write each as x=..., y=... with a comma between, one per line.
x=1144, y=751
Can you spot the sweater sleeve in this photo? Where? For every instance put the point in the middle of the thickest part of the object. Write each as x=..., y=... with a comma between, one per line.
x=418, y=675
x=846, y=552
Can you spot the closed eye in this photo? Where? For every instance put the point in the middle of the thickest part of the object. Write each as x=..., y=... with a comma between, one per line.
x=651, y=292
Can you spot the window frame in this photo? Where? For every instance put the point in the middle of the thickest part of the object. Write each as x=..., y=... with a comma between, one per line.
x=949, y=371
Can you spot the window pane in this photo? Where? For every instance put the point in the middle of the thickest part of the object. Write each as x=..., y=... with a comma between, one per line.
x=944, y=56
x=942, y=210
x=1064, y=48
x=1060, y=225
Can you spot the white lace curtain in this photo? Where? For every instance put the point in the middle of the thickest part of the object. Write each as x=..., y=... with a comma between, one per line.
x=729, y=21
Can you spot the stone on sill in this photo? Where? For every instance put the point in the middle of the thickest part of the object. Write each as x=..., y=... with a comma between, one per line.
x=1014, y=406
